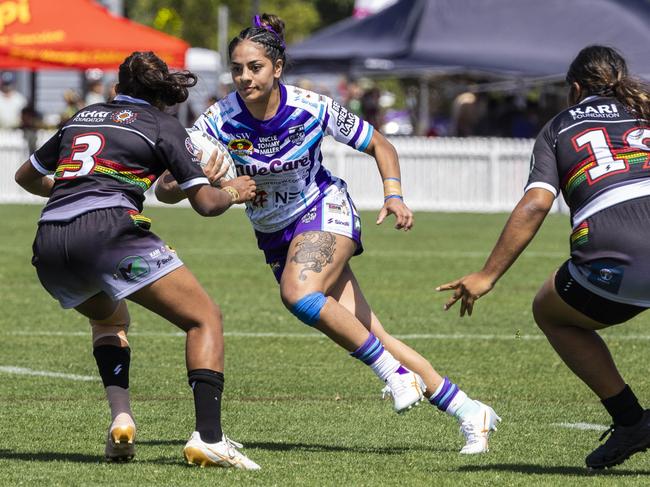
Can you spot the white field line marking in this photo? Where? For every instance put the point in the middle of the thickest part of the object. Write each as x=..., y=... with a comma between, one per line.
x=392, y=253
x=238, y=334
x=45, y=373
x=581, y=426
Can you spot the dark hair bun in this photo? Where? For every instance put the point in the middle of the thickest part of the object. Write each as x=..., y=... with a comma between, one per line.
x=275, y=23
x=144, y=75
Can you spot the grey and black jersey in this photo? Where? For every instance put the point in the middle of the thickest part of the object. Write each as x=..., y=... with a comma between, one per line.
x=596, y=153
x=108, y=154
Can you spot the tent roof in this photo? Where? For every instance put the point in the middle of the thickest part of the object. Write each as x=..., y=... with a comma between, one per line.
x=504, y=37
x=77, y=34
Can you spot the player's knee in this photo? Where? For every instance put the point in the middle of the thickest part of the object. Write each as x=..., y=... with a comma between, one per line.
x=291, y=292
x=113, y=329
x=208, y=318
x=540, y=312
x=308, y=307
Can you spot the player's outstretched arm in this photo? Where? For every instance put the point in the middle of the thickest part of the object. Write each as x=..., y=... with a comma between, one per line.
x=167, y=189
x=519, y=230
x=210, y=201
x=28, y=178
x=388, y=164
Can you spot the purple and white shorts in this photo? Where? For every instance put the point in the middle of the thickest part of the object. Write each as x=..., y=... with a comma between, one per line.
x=334, y=213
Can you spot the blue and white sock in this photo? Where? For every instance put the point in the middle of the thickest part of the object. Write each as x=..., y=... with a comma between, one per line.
x=380, y=360
x=450, y=399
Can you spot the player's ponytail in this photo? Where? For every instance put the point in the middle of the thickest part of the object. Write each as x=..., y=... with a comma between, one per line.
x=267, y=30
x=601, y=70
x=144, y=75
x=635, y=95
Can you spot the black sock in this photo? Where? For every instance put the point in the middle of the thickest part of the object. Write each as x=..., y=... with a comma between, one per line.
x=207, y=386
x=113, y=363
x=624, y=407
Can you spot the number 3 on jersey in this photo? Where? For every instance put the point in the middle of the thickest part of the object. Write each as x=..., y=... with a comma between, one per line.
x=84, y=149
x=600, y=148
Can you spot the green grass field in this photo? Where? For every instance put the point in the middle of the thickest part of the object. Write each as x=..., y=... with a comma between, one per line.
x=305, y=411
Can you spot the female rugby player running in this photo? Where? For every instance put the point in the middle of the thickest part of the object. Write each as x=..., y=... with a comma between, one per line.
x=93, y=249
x=306, y=223
x=597, y=153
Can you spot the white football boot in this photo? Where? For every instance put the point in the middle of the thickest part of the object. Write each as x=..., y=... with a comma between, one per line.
x=221, y=454
x=476, y=429
x=120, y=443
x=407, y=390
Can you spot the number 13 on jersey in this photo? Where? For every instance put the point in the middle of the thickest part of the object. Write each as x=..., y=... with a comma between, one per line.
x=599, y=146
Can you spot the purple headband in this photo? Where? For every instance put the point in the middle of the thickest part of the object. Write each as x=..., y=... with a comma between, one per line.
x=257, y=22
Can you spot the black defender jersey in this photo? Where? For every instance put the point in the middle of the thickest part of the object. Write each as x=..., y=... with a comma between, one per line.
x=109, y=154
x=589, y=152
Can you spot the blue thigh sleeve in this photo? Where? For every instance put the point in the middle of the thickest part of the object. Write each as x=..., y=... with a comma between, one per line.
x=307, y=309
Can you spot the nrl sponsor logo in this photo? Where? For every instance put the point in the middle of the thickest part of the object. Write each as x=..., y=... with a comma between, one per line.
x=336, y=221
x=91, y=116
x=268, y=145
x=124, y=116
x=598, y=111
x=276, y=166
x=241, y=147
x=297, y=134
x=133, y=267
x=344, y=119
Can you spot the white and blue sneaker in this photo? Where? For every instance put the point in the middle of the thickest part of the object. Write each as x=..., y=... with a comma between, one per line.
x=224, y=454
x=406, y=388
x=476, y=429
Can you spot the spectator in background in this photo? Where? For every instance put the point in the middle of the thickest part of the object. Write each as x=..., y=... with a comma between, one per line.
x=12, y=102
x=525, y=123
x=211, y=100
x=111, y=92
x=464, y=115
x=95, y=92
x=72, y=105
x=30, y=122
x=370, y=107
x=354, y=95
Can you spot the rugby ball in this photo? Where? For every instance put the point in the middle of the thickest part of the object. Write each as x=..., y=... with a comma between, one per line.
x=206, y=144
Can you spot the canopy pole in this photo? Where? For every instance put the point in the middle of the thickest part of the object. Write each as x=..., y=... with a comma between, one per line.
x=423, y=107
x=33, y=77
x=222, y=38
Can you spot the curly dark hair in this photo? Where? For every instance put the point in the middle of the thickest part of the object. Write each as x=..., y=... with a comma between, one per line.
x=144, y=75
x=602, y=70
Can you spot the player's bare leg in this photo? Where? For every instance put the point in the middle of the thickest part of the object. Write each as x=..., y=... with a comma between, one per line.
x=574, y=338
x=179, y=298
x=109, y=322
x=477, y=420
x=314, y=263
x=348, y=293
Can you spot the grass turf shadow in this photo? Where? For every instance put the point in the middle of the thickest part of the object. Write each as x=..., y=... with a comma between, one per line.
x=574, y=471
x=314, y=447
x=51, y=456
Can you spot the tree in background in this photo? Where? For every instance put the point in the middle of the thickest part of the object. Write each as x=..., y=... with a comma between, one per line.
x=195, y=21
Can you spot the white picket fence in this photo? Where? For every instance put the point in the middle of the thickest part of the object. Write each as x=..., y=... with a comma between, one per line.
x=438, y=174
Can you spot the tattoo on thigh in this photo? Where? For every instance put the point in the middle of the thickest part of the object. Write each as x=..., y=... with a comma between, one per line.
x=315, y=251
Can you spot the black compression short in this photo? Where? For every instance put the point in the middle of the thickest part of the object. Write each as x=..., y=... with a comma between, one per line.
x=596, y=307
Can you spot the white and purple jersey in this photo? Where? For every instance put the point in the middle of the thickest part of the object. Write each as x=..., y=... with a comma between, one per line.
x=283, y=154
